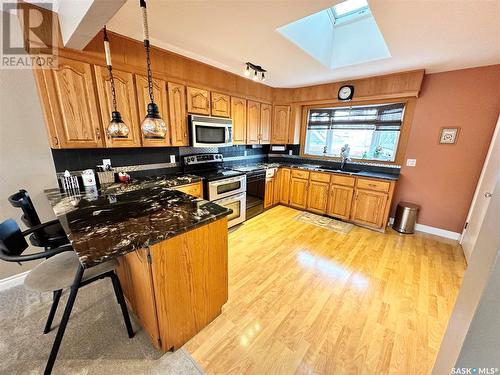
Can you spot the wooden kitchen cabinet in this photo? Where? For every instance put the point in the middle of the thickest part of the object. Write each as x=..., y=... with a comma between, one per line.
x=178, y=286
x=317, y=198
x=369, y=207
x=266, y=114
x=126, y=105
x=221, y=105
x=277, y=187
x=136, y=279
x=299, y=186
x=198, y=101
x=239, y=116
x=177, y=114
x=195, y=189
x=69, y=102
x=253, y=122
x=269, y=195
x=284, y=178
x=160, y=98
x=339, y=203
x=281, y=122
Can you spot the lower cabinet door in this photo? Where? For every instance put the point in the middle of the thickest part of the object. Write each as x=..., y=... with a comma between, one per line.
x=298, y=192
x=269, y=196
x=340, y=201
x=317, y=199
x=284, y=194
x=369, y=207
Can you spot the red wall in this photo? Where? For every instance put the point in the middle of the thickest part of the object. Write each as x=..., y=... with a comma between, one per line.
x=445, y=177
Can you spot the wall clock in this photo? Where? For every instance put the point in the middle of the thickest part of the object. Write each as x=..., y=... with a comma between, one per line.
x=346, y=92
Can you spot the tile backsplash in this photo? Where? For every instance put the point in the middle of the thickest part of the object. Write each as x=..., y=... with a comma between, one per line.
x=79, y=159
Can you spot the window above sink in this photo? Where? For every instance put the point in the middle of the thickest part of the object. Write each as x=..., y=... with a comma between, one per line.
x=372, y=131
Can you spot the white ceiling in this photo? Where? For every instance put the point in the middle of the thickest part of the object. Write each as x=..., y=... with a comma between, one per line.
x=436, y=35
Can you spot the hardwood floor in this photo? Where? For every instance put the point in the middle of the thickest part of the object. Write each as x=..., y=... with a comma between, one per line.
x=305, y=300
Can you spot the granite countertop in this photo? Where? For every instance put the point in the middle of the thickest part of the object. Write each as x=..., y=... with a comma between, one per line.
x=115, y=220
x=314, y=167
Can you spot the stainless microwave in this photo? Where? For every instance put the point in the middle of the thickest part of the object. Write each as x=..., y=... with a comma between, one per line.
x=207, y=131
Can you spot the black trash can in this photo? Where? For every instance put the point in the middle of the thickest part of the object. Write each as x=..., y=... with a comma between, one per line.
x=406, y=217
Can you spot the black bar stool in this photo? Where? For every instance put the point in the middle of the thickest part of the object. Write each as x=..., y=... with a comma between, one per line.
x=61, y=270
x=50, y=235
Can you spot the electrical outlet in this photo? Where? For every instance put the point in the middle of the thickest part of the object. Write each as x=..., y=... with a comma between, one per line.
x=411, y=162
x=172, y=159
x=290, y=152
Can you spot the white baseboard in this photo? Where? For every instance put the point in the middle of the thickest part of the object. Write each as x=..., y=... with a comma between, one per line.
x=11, y=281
x=436, y=231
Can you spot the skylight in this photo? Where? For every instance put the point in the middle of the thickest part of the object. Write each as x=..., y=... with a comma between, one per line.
x=342, y=35
x=349, y=7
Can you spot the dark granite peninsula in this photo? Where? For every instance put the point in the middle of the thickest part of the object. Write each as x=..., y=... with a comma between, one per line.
x=171, y=248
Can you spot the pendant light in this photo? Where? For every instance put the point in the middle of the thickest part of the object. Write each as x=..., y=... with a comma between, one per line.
x=152, y=126
x=116, y=127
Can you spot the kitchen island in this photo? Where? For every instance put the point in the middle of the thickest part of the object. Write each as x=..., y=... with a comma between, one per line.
x=171, y=248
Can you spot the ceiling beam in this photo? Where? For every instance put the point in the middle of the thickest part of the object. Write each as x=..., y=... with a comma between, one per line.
x=81, y=20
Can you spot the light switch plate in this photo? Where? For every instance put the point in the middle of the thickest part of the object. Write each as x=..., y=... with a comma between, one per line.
x=245, y=153
x=172, y=158
x=411, y=162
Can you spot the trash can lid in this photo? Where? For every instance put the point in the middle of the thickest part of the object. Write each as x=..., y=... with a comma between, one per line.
x=409, y=205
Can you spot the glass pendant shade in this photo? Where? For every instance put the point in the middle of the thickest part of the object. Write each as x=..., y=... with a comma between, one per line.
x=116, y=127
x=153, y=126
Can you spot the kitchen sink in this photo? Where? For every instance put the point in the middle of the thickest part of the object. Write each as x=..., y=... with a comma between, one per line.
x=336, y=169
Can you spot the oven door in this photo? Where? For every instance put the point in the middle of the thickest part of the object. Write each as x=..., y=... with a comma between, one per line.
x=206, y=134
x=228, y=186
x=237, y=203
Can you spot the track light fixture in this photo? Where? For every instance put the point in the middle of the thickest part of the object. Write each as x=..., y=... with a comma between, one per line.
x=258, y=72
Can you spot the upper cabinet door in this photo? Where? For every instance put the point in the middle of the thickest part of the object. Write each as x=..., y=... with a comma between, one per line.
x=72, y=104
x=198, y=101
x=239, y=116
x=281, y=122
x=178, y=114
x=266, y=114
x=160, y=98
x=126, y=105
x=221, y=105
x=253, y=122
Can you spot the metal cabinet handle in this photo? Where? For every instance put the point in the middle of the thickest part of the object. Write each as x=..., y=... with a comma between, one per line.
x=97, y=133
x=488, y=195
x=57, y=141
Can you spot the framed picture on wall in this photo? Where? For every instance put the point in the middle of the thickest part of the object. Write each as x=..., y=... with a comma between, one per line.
x=449, y=136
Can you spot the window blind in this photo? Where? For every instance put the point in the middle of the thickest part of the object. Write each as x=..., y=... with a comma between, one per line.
x=376, y=117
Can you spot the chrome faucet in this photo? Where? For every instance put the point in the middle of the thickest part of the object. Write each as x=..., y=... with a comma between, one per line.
x=344, y=155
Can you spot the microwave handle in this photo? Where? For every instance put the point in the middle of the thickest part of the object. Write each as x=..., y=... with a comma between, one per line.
x=227, y=134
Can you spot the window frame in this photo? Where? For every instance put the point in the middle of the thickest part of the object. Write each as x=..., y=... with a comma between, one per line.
x=403, y=137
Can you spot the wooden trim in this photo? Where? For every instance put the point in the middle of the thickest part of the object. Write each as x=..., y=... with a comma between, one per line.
x=403, y=137
x=388, y=86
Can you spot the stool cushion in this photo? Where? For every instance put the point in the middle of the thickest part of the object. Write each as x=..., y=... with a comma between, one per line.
x=58, y=272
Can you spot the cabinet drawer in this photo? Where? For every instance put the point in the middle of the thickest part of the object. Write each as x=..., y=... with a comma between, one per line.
x=373, y=184
x=320, y=177
x=191, y=189
x=343, y=180
x=297, y=173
